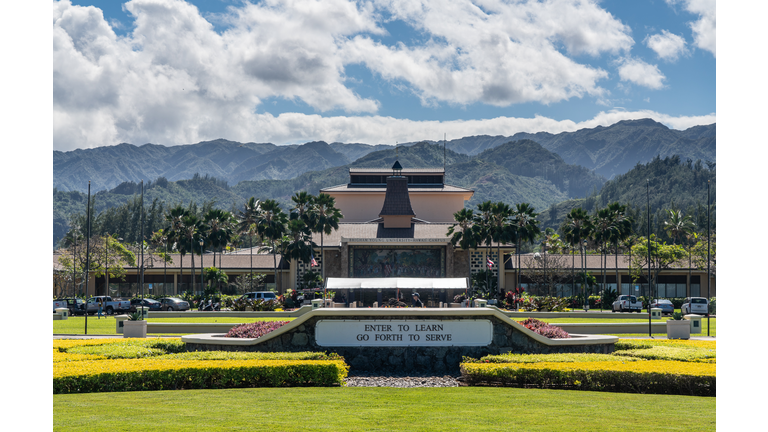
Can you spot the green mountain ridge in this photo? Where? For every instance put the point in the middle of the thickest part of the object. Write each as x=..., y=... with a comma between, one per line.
x=608, y=151
x=489, y=174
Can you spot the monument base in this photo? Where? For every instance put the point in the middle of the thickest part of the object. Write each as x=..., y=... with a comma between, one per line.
x=405, y=340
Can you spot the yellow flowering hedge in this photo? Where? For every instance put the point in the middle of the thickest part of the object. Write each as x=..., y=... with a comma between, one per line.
x=651, y=376
x=638, y=366
x=156, y=364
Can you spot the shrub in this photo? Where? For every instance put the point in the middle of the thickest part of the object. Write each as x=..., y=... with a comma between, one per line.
x=544, y=329
x=671, y=353
x=255, y=329
x=122, y=348
x=163, y=374
x=657, y=377
x=536, y=358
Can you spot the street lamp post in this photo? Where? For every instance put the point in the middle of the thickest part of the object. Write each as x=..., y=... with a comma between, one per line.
x=165, y=267
x=106, y=264
x=650, y=289
x=202, y=289
x=584, y=273
x=709, y=281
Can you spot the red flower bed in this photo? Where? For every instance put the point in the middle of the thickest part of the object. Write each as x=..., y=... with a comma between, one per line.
x=544, y=329
x=256, y=329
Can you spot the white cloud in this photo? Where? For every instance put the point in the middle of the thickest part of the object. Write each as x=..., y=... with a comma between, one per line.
x=668, y=46
x=641, y=73
x=174, y=78
x=705, y=28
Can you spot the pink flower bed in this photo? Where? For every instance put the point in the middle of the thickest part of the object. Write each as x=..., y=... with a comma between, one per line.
x=256, y=329
x=544, y=329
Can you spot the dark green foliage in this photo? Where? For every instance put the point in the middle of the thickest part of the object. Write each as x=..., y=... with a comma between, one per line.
x=674, y=183
x=285, y=375
x=597, y=380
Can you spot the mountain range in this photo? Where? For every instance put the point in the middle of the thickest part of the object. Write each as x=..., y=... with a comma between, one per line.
x=521, y=168
x=608, y=151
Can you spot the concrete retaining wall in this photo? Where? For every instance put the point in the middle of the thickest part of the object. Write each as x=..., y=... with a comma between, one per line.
x=507, y=336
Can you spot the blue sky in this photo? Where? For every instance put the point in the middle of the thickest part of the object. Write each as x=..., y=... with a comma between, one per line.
x=174, y=72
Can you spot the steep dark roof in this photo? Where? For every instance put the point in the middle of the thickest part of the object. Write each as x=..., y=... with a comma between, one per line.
x=397, y=202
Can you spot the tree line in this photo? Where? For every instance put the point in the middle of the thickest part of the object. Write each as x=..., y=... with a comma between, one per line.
x=157, y=232
x=610, y=230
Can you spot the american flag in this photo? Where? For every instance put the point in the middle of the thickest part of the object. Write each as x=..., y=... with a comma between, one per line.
x=490, y=263
x=313, y=263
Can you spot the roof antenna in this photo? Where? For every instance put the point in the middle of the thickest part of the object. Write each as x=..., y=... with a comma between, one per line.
x=396, y=156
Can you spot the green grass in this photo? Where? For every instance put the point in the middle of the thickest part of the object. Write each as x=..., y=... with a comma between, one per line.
x=106, y=326
x=712, y=329
x=380, y=409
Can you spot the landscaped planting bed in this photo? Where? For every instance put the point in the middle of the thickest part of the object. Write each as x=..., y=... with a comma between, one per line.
x=643, y=366
x=108, y=365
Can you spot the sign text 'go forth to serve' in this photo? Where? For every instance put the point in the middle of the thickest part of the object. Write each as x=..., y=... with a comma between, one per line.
x=403, y=332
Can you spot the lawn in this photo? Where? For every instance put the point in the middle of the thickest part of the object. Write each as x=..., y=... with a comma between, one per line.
x=380, y=409
x=106, y=326
x=712, y=329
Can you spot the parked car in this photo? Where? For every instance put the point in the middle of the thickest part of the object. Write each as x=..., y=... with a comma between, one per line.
x=109, y=305
x=153, y=305
x=627, y=303
x=75, y=306
x=260, y=295
x=666, y=306
x=695, y=305
x=173, y=304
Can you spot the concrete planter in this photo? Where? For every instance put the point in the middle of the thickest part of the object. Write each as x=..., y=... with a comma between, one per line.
x=134, y=329
x=678, y=329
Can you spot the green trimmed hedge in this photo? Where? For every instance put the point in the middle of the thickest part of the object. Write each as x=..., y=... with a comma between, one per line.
x=289, y=374
x=593, y=380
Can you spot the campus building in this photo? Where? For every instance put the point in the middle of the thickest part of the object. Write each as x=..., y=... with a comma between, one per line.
x=395, y=224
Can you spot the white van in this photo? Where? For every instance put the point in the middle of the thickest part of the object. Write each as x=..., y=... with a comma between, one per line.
x=260, y=295
x=695, y=305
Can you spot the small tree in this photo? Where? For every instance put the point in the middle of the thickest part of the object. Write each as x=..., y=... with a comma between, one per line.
x=247, y=282
x=546, y=271
x=663, y=257
x=485, y=285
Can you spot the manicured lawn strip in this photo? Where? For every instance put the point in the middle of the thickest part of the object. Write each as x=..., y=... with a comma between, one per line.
x=171, y=374
x=652, y=376
x=380, y=409
x=106, y=326
x=712, y=326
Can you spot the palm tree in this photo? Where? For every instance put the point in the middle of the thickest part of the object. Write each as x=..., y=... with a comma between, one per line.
x=623, y=224
x=482, y=228
x=677, y=225
x=577, y=227
x=464, y=236
x=303, y=202
x=248, y=219
x=526, y=228
x=500, y=214
x=604, y=231
x=299, y=245
x=190, y=235
x=217, y=227
x=271, y=226
x=326, y=218
x=680, y=226
x=175, y=227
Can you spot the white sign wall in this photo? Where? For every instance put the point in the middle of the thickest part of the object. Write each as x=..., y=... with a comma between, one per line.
x=387, y=333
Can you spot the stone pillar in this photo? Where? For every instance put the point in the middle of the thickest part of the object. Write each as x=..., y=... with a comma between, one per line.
x=449, y=260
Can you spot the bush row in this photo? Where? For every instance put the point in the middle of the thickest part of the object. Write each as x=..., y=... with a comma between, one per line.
x=655, y=377
x=167, y=374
